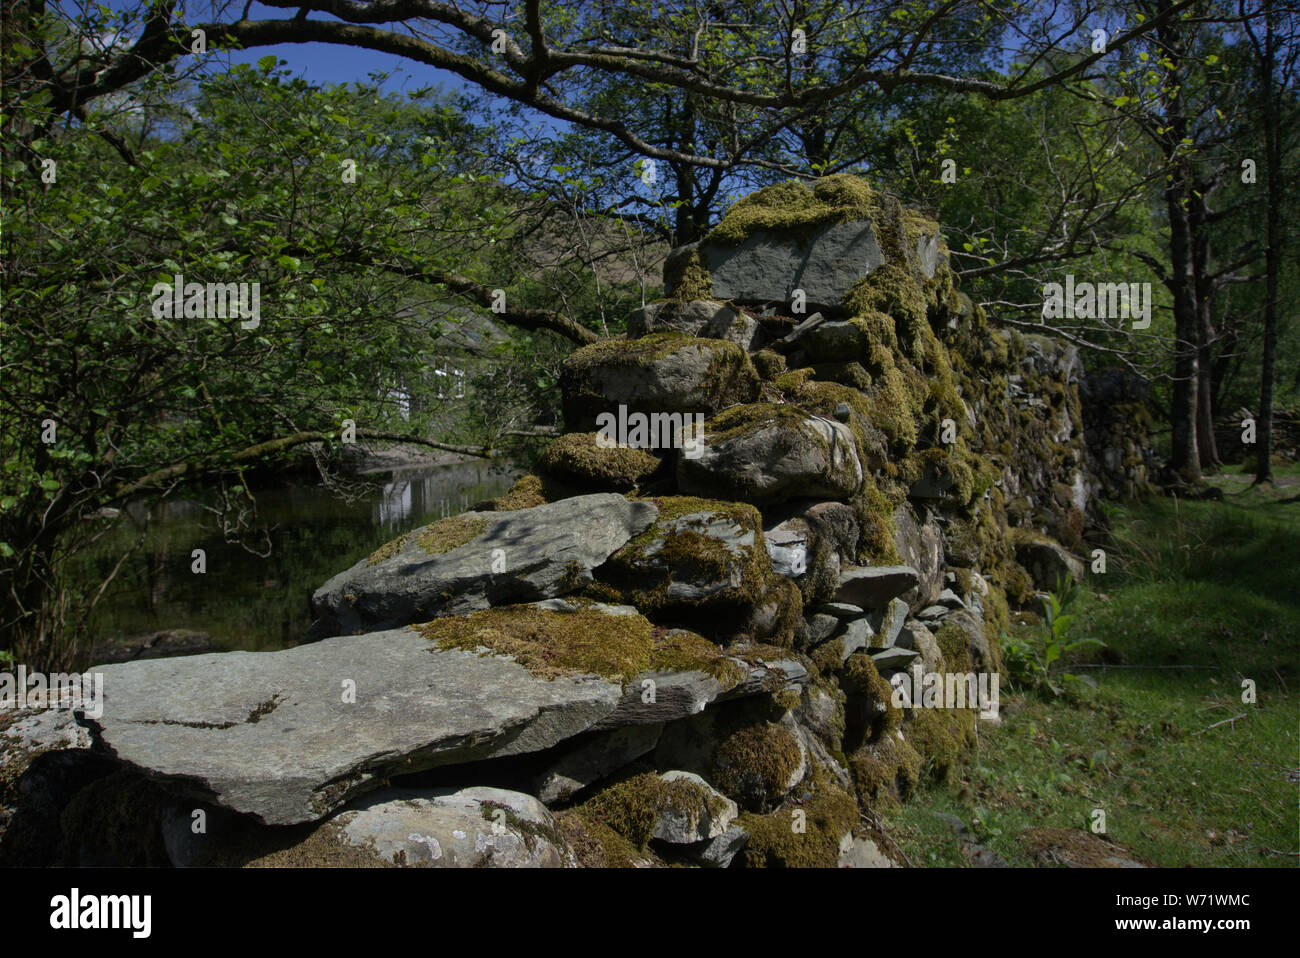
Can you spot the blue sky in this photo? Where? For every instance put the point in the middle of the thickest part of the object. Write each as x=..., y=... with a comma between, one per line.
x=315, y=62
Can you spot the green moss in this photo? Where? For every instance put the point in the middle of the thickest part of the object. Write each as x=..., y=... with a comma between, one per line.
x=435, y=538
x=579, y=460
x=688, y=275
x=775, y=840
x=586, y=642
x=595, y=844
x=116, y=819
x=793, y=207
x=741, y=420
x=876, y=528
x=954, y=643
x=846, y=374
x=632, y=807
x=769, y=364
x=941, y=737
x=870, y=713
x=754, y=764
x=528, y=491
x=884, y=771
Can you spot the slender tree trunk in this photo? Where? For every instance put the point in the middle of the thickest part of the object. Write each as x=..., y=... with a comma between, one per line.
x=1207, y=449
x=1184, y=457
x=1275, y=186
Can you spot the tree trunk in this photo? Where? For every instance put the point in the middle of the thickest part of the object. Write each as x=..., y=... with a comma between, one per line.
x=1273, y=178
x=1207, y=449
x=1184, y=457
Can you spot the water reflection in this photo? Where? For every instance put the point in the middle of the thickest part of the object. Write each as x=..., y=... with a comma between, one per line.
x=306, y=534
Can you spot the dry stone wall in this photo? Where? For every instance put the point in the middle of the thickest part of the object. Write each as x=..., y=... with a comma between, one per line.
x=810, y=477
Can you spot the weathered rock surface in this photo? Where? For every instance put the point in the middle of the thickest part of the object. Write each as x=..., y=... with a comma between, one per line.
x=871, y=587
x=921, y=547
x=697, y=554
x=1048, y=563
x=660, y=373
x=694, y=813
x=594, y=758
x=766, y=454
x=702, y=317
x=720, y=851
x=270, y=734
x=498, y=558
x=471, y=828
x=887, y=623
x=767, y=267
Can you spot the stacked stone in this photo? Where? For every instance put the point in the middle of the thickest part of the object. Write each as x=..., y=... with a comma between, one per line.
x=674, y=649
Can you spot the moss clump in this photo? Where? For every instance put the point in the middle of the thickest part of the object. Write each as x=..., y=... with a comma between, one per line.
x=688, y=276
x=769, y=364
x=741, y=420
x=941, y=737
x=780, y=840
x=632, y=807
x=876, y=528
x=578, y=459
x=792, y=206
x=754, y=765
x=885, y=771
x=584, y=642
x=681, y=547
x=527, y=492
x=435, y=538
x=954, y=643
x=846, y=374
x=595, y=844
x=870, y=713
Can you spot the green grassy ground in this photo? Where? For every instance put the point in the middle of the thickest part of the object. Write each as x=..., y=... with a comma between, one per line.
x=1197, y=597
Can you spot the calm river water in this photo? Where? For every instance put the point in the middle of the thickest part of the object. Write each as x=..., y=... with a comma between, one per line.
x=245, y=601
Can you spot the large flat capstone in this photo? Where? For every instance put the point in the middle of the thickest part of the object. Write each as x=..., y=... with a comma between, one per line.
x=498, y=558
x=281, y=736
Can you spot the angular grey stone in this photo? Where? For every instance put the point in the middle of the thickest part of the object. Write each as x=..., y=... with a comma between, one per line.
x=863, y=853
x=679, y=375
x=887, y=623
x=822, y=712
x=269, y=734
x=770, y=266
x=871, y=587
x=855, y=638
x=921, y=547
x=655, y=562
x=950, y=600
x=1047, y=562
x=594, y=758
x=787, y=547
x=700, y=317
x=720, y=851
x=843, y=610
x=709, y=816
x=917, y=637
x=933, y=613
x=821, y=627
x=893, y=658
x=682, y=694
x=549, y=550
x=470, y=828
x=775, y=459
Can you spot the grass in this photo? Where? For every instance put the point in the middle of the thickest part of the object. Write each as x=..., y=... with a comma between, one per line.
x=1197, y=597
